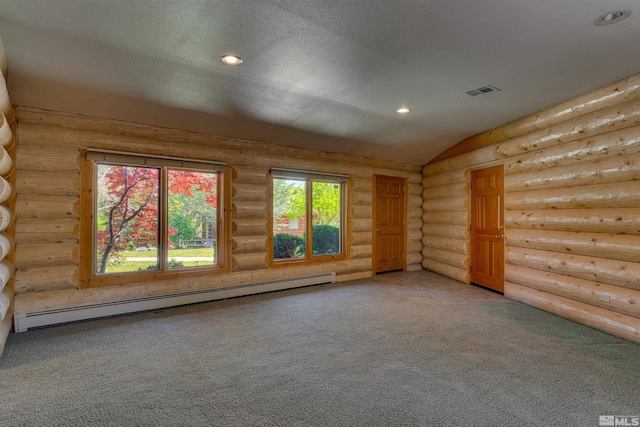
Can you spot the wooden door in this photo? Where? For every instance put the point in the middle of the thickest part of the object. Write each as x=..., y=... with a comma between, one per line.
x=390, y=224
x=487, y=228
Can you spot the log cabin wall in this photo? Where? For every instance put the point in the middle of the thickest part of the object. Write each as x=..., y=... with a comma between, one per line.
x=7, y=203
x=572, y=208
x=48, y=207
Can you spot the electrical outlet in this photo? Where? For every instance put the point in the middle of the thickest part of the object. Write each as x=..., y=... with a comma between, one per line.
x=604, y=297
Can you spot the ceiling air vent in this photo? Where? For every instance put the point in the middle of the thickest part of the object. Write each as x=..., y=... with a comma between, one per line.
x=482, y=90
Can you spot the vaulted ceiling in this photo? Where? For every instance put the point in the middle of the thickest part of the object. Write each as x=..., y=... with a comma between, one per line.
x=321, y=74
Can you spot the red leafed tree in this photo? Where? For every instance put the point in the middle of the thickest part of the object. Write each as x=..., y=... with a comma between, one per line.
x=128, y=205
x=126, y=194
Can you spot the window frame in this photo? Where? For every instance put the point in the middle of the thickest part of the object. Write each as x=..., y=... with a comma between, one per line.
x=88, y=205
x=309, y=178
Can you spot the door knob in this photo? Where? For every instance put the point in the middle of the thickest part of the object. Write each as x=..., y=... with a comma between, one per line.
x=377, y=230
x=500, y=236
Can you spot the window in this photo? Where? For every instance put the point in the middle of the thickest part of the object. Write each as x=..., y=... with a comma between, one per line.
x=316, y=204
x=153, y=215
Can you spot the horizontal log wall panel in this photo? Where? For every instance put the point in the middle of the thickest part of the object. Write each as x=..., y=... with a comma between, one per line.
x=447, y=204
x=446, y=217
x=5, y=327
x=446, y=244
x=42, y=255
x=6, y=298
x=625, y=141
x=613, y=221
x=414, y=258
x=414, y=189
x=361, y=211
x=249, y=261
x=613, y=246
x=361, y=238
x=455, y=273
x=30, y=182
x=609, y=271
x=248, y=227
x=361, y=184
x=598, y=99
x=452, y=258
x=361, y=251
x=620, y=299
x=414, y=200
x=249, y=175
x=414, y=224
x=360, y=198
x=599, y=171
x=414, y=212
x=43, y=158
x=414, y=234
x=445, y=178
x=596, y=196
x=46, y=279
x=360, y=224
x=47, y=230
x=476, y=157
x=414, y=246
x=248, y=244
x=459, y=189
x=7, y=218
x=245, y=209
x=249, y=192
x=613, y=118
x=33, y=207
x=460, y=232
x=618, y=324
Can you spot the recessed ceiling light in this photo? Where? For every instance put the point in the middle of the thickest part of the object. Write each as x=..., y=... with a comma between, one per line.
x=231, y=60
x=612, y=17
x=403, y=110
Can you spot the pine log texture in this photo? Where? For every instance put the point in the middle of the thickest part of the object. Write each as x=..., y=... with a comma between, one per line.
x=460, y=189
x=30, y=182
x=249, y=210
x=598, y=99
x=249, y=175
x=361, y=238
x=596, y=196
x=414, y=200
x=6, y=107
x=361, y=198
x=6, y=190
x=455, y=273
x=249, y=192
x=361, y=211
x=248, y=227
x=603, y=270
x=6, y=218
x=6, y=245
x=447, y=204
x=45, y=255
x=414, y=212
x=40, y=207
x=46, y=279
x=621, y=300
x=359, y=224
x=249, y=261
x=445, y=178
x=6, y=298
x=414, y=258
x=6, y=134
x=6, y=272
x=7, y=164
x=5, y=328
x=622, y=142
x=60, y=230
x=446, y=217
x=361, y=251
x=455, y=259
x=414, y=246
x=618, y=324
x=460, y=232
x=612, y=221
x=610, y=119
x=248, y=244
x=613, y=246
x=414, y=225
x=600, y=171
x=476, y=157
x=446, y=244
x=361, y=184
x=43, y=158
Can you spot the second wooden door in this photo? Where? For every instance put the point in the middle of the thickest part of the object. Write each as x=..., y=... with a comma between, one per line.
x=389, y=223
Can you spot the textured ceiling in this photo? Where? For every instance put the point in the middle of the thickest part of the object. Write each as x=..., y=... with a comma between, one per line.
x=320, y=74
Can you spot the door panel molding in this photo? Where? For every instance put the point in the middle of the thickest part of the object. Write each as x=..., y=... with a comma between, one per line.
x=389, y=223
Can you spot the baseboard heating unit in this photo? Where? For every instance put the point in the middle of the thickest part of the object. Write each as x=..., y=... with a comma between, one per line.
x=28, y=321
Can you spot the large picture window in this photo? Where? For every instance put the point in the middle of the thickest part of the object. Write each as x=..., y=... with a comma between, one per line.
x=153, y=214
x=307, y=215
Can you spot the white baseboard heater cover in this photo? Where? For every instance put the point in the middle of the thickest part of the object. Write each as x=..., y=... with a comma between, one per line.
x=28, y=321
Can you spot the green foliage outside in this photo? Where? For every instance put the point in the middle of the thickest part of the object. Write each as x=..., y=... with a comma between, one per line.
x=188, y=217
x=287, y=246
x=326, y=239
